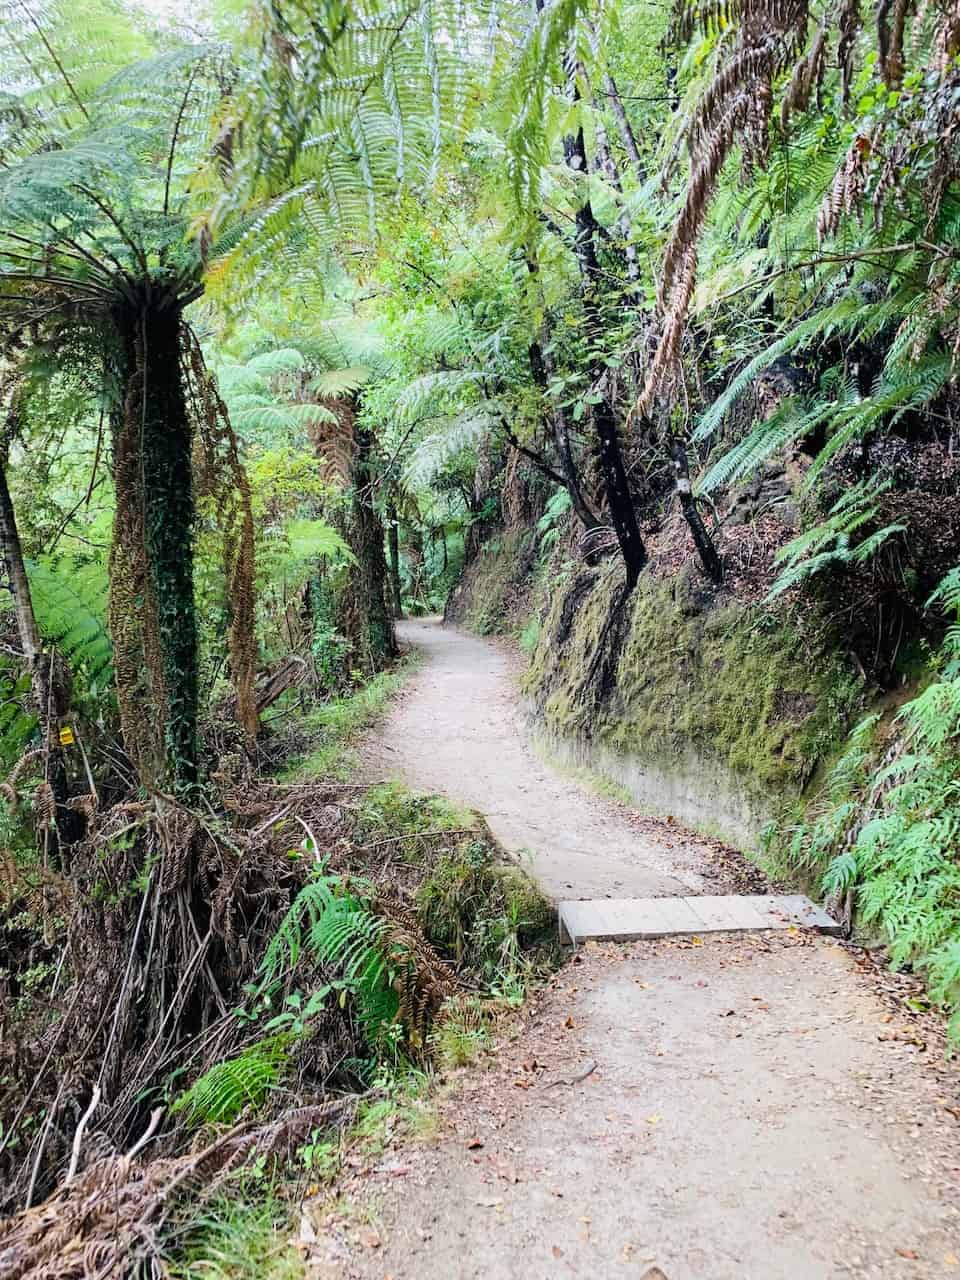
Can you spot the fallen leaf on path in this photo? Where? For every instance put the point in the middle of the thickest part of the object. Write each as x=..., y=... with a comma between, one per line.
x=557, y=1251
x=569, y=1024
x=474, y=1144
x=728, y=1013
x=951, y=1260
x=654, y=1119
x=907, y=1253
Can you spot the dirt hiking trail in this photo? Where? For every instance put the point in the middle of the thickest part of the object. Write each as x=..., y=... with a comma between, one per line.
x=454, y=731
x=759, y=1107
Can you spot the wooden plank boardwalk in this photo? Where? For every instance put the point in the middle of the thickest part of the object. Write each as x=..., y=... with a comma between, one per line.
x=630, y=919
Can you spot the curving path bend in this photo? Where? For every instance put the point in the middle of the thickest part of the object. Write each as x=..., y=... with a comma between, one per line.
x=455, y=730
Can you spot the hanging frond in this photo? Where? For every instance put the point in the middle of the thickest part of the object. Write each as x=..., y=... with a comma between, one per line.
x=462, y=431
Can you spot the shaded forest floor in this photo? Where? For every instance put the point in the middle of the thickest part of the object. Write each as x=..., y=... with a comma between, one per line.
x=750, y=1107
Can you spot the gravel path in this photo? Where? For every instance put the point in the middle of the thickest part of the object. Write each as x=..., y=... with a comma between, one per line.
x=750, y=1108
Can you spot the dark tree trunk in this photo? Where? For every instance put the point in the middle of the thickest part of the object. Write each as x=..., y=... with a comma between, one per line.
x=153, y=614
x=48, y=699
x=362, y=613
x=393, y=548
x=709, y=556
x=561, y=435
x=612, y=470
x=619, y=498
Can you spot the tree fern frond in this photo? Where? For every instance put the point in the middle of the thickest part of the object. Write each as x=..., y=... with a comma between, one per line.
x=70, y=602
x=840, y=316
x=335, y=384
x=437, y=450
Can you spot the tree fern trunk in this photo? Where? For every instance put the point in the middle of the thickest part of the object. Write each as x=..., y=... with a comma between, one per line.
x=153, y=615
x=362, y=612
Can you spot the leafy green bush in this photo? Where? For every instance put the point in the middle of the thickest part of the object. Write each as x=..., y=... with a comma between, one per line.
x=891, y=821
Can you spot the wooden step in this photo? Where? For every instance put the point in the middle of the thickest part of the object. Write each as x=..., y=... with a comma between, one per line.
x=630, y=919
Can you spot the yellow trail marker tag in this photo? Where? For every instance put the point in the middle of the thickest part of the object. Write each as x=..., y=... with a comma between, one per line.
x=66, y=736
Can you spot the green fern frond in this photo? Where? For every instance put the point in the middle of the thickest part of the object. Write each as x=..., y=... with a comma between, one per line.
x=70, y=602
x=437, y=450
x=223, y=1092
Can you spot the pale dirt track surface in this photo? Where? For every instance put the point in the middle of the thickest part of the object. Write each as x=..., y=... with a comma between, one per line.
x=759, y=1108
x=454, y=730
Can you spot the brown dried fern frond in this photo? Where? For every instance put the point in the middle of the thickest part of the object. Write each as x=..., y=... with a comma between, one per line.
x=335, y=442
x=807, y=76
x=849, y=184
x=220, y=475
x=891, y=22
x=8, y=789
x=733, y=111
x=422, y=979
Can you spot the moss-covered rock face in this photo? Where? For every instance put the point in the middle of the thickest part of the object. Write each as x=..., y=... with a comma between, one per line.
x=707, y=690
x=492, y=597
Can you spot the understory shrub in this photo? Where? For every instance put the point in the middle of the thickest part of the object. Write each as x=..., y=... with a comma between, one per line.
x=888, y=824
